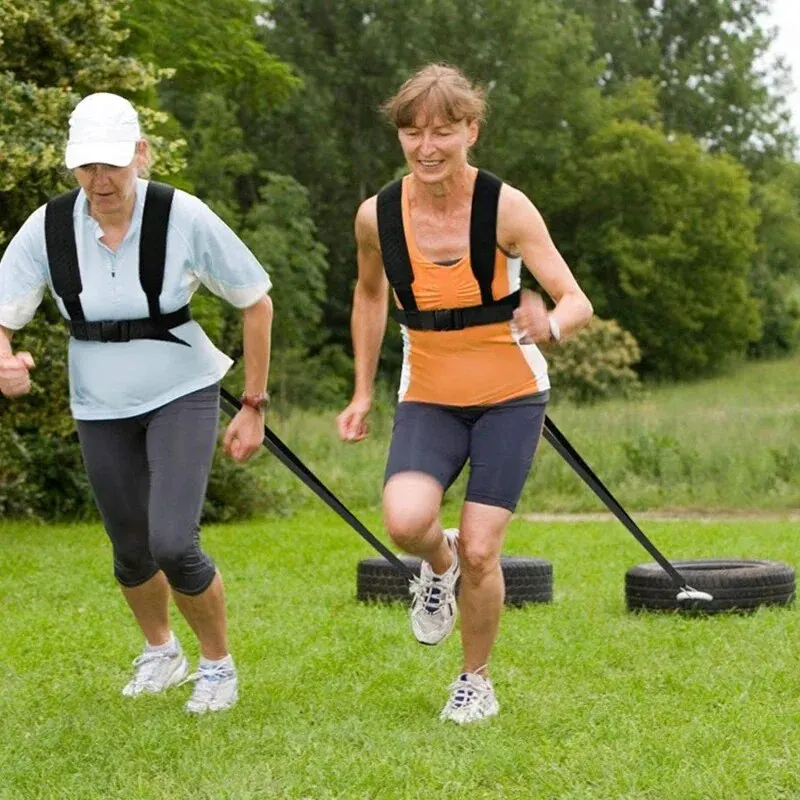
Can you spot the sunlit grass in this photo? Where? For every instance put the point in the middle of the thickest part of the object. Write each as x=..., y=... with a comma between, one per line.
x=338, y=701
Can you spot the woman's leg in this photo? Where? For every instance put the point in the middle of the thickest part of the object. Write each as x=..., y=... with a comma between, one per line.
x=181, y=438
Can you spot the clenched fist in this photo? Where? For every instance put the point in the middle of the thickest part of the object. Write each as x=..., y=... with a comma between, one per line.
x=15, y=378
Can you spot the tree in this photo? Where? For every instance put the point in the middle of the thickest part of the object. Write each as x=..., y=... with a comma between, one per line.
x=775, y=276
x=709, y=62
x=52, y=54
x=663, y=239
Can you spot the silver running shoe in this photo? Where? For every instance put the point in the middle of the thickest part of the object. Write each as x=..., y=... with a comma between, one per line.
x=216, y=689
x=155, y=671
x=471, y=700
x=433, y=603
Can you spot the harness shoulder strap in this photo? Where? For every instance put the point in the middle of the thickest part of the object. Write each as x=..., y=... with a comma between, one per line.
x=483, y=231
x=153, y=243
x=62, y=252
x=396, y=260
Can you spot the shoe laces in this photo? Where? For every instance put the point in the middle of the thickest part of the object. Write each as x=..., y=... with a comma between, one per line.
x=428, y=591
x=146, y=665
x=208, y=679
x=466, y=691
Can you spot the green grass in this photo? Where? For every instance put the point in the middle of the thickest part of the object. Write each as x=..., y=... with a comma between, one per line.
x=728, y=443
x=338, y=701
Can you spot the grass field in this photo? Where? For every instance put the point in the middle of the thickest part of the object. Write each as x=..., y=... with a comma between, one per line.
x=728, y=443
x=338, y=701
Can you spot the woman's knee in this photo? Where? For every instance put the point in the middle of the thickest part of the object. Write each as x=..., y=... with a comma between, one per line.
x=411, y=503
x=478, y=559
x=188, y=568
x=411, y=506
x=133, y=568
x=406, y=524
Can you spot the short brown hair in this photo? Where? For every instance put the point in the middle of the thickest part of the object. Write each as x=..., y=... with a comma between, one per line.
x=439, y=90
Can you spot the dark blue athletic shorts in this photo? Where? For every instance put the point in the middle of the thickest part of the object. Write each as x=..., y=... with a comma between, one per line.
x=499, y=442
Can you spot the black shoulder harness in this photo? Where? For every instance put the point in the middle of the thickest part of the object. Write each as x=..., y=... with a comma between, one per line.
x=62, y=257
x=482, y=246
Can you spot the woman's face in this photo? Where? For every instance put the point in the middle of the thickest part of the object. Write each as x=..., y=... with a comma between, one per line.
x=436, y=148
x=110, y=189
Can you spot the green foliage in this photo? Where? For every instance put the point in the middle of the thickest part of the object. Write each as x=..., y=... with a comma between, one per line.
x=663, y=239
x=42, y=477
x=221, y=166
x=775, y=278
x=778, y=299
x=52, y=54
x=595, y=364
x=209, y=47
x=280, y=232
x=710, y=63
x=778, y=201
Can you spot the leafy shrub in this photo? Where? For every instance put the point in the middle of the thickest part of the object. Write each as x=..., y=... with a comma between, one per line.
x=595, y=364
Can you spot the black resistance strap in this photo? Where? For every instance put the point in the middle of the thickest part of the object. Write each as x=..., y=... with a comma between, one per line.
x=573, y=458
x=230, y=405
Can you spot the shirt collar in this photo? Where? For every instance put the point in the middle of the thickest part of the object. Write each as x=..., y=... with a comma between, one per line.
x=81, y=211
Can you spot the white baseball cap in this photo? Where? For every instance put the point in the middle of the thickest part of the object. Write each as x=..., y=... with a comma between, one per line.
x=103, y=129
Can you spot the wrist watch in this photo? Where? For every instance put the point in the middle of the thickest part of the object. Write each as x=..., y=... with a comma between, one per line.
x=259, y=402
x=555, y=328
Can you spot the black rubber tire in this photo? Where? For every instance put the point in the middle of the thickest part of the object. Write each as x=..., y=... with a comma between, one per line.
x=736, y=585
x=528, y=580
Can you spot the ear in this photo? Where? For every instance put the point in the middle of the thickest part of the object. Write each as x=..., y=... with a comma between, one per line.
x=142, y=158
x=473, y=129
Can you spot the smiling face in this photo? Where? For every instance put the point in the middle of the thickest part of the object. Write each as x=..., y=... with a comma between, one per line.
x=111, y=190
x=437, y=148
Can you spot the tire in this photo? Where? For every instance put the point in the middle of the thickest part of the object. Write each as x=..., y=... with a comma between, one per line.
x=735, y=584
x=528, y=580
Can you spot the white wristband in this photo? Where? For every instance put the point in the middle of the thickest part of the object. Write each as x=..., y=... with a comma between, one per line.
x=555, y=330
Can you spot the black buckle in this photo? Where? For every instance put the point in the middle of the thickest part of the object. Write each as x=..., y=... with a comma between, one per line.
x=448, y=319
x=78, y=329
x=110, y=331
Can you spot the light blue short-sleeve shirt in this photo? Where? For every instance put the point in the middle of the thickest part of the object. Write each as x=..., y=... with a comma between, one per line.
x=112, y=380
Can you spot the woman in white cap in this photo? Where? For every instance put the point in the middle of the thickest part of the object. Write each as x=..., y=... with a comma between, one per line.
x=122, y=257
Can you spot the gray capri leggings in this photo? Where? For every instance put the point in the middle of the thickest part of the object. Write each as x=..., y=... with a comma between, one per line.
x=149, y=475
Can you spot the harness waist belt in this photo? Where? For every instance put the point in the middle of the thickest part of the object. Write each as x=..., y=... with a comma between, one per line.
x=124, y=330
x=456, y=319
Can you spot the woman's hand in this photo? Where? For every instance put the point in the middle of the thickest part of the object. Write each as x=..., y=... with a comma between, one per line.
x=244, y=434
x=352, y=422
x=530, y=317
x=15, y=378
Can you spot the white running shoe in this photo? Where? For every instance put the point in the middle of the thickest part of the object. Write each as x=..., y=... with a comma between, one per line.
x=471, y=700
x=157, y=670
x=216, y=689
x=433, y=603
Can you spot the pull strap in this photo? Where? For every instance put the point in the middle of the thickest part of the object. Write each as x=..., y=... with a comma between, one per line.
x=62, y=252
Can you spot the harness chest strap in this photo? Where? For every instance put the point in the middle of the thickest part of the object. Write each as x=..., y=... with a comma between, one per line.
x=482, y=244
x=62, y=257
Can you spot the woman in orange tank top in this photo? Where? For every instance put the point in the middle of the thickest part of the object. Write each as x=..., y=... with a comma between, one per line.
x=450, y=240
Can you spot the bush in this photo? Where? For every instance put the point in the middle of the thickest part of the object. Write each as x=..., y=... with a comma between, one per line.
x=779, y=299
x=595, y=364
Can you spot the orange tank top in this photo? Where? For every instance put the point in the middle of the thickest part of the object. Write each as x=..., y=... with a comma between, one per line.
x=481, y=365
